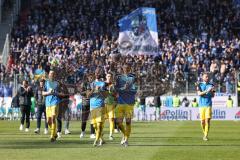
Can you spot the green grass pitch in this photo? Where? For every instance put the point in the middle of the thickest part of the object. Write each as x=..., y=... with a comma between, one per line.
x=180, y=140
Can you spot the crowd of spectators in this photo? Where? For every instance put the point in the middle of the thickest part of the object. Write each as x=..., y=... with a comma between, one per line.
x=80, y=37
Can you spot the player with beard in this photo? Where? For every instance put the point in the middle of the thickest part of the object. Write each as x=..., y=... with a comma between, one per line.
x=110, y=103
x=206, y=91
x=52, y=100
x=126, y=90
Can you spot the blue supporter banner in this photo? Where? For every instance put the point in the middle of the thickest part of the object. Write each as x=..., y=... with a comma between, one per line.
x=39, y=73
x=138, y=33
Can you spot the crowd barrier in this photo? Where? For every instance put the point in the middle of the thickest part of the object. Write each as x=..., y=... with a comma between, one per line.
x=219, y=110
x=175, y=114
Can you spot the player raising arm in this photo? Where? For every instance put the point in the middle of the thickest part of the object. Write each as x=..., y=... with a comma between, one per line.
x=51, y=91
x=205, y=90
x=126, y=90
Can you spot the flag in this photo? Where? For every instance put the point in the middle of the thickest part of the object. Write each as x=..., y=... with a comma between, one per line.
x=38, y=74
x=138, y=33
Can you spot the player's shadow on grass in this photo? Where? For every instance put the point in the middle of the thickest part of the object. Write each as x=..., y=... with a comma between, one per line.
x=65, y=143
x=46, y=144
x=89, y=145
x=163, y=137
x=185, y=145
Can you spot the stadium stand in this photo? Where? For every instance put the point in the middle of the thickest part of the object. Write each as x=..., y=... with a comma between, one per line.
x=79, y=37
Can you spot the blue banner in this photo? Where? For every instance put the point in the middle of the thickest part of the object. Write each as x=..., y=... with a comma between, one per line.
x=138, y=33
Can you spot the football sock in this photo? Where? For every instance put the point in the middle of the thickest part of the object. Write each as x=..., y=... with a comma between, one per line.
x=207, y=126
x=203, y=127
x=53, y=129
x=128, y=131
x=111, y=125
x=121, y=127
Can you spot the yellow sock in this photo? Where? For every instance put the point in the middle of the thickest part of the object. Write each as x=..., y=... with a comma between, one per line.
x=54, y=129
x=98, y=131
x=95, y=127
x=203, y=128
x=207, y=126
x=101, y=125
x=111, y=126
x=50, y=128
x=121, y=127
x=128, y=131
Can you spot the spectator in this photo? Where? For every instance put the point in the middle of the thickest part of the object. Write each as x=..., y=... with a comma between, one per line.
x=229, y=102
x=76, y=38
x=157, y=104
x=15, y=107
x=41, y=108
x=185, y=102
x=25, y=93
x=176, y=101
x=194, y=103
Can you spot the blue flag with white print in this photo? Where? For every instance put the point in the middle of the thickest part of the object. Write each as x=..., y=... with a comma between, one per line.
x=138, y=33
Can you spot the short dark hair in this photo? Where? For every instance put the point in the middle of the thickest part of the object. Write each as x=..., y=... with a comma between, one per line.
x=26, y=81
x=42, y=80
